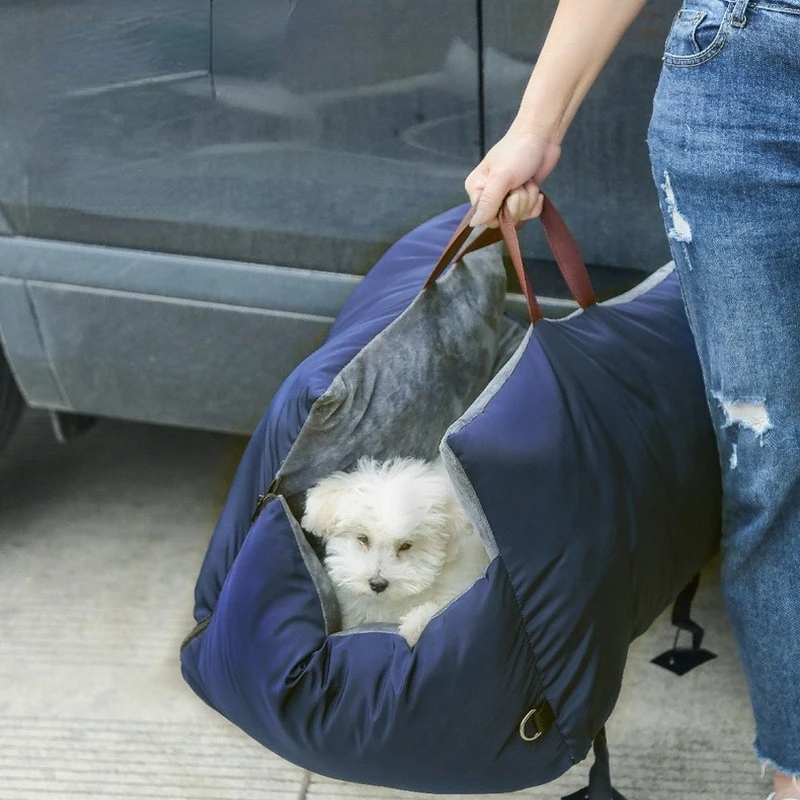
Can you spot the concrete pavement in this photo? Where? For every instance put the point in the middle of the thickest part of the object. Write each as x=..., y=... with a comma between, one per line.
x=100, y=544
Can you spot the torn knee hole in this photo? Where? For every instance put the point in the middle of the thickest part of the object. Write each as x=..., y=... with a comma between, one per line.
x=749, y=415
x=680, y=231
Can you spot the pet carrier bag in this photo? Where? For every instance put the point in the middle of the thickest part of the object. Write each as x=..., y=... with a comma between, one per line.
x=583, y=451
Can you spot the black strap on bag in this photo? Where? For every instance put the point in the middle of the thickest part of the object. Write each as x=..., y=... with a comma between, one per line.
x=681, y=660
x=599, y=787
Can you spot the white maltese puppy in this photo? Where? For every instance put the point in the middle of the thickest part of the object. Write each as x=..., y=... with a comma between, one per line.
x=398, y=545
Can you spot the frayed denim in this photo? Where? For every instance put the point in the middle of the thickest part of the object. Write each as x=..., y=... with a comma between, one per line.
x=725, y=150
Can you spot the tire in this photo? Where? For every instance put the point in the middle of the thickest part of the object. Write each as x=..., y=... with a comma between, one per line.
x=11, y=402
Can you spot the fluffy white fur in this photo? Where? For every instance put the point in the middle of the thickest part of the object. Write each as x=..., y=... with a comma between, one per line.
x=399, y=546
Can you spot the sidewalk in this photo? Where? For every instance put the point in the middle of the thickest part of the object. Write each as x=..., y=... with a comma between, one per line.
x=100, y=543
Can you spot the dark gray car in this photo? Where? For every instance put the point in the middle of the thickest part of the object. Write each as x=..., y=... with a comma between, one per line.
x=189, y=190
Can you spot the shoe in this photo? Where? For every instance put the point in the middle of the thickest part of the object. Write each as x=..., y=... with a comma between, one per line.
x=772, y=797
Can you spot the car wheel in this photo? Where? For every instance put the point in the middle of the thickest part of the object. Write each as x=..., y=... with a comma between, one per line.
x=11, y=402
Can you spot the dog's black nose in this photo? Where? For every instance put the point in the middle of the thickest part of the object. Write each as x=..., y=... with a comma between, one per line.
x=378, y=585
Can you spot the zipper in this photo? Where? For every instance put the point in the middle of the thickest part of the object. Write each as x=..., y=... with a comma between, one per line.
x=263, y=499
x=261, y=502
x=196, y=631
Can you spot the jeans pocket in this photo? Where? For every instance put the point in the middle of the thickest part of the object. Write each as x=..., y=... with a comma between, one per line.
x=698, y=33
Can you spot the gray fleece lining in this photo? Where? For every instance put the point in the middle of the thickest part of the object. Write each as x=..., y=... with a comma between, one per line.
x=319, y=575
x=402, y=391
x=374, y=627
x=659, y=276
x=398, y=396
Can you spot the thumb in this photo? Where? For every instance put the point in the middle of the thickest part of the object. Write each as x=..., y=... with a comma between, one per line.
x=475, y=183
x=489, y=202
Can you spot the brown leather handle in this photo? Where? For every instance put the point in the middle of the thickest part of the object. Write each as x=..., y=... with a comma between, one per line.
x=559, y=239
x=460, y=236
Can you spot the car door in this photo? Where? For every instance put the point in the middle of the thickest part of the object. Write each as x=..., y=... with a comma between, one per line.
x=92, y=91
x=348, y=123
x=300, y=133
x=194, y=188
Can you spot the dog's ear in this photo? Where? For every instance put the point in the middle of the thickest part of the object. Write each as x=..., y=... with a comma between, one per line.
x=323, y=505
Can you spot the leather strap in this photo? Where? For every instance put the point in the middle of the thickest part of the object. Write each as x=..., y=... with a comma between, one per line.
x=460, y=236
x=567, y=255
x=509, y=233
x=559, y=239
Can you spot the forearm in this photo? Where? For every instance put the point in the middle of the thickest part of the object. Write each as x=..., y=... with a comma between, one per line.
x=582, y=36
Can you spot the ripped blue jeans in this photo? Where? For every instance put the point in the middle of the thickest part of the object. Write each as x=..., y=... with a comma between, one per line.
x=725, y=149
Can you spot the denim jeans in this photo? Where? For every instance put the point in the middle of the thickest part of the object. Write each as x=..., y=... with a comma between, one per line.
x=725, y=150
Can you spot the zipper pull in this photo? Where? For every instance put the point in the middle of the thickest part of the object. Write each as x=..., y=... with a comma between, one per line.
x=263, y=499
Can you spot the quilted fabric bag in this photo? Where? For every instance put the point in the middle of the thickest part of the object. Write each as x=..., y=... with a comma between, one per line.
x=583, y=451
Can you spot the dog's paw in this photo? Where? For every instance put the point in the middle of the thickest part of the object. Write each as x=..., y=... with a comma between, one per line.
x=413, y=623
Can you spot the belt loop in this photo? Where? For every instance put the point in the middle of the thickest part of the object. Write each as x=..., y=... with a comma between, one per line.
x=739, y=18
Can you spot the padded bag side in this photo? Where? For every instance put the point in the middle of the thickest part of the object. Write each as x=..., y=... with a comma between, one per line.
x=593, y=458
x=348, y=710
x=363, y=706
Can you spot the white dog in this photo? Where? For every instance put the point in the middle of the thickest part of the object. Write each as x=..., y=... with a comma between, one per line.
x=399, y=546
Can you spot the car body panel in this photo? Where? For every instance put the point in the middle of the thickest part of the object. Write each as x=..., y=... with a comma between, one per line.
x=190, y=191
x=287, y=153
x=23, y=346
x=160, y=338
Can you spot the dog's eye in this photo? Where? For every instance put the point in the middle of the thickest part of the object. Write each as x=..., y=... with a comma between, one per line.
x=363, y=540
x=404, y=546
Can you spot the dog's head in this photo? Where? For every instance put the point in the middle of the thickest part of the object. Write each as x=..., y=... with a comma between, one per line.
x=389, y=528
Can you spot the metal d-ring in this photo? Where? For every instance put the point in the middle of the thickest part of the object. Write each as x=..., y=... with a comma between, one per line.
x=524, y=722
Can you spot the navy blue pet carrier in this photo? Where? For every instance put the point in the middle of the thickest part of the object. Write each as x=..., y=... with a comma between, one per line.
x=583, y=451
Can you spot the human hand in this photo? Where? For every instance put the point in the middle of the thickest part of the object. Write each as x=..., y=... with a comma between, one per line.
x=512, y=171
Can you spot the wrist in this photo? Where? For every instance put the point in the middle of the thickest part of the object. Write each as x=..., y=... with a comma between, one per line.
x=544, y=109
x=544, y=125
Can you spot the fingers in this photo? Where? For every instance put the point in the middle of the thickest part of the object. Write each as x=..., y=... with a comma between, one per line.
x=489, y=202
x=510, y=174
x=476, y=183
x=520, y=204
x=525, y=202
x=487, y=193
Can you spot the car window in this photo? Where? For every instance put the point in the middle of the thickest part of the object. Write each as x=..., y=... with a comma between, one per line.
x=304, y=134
